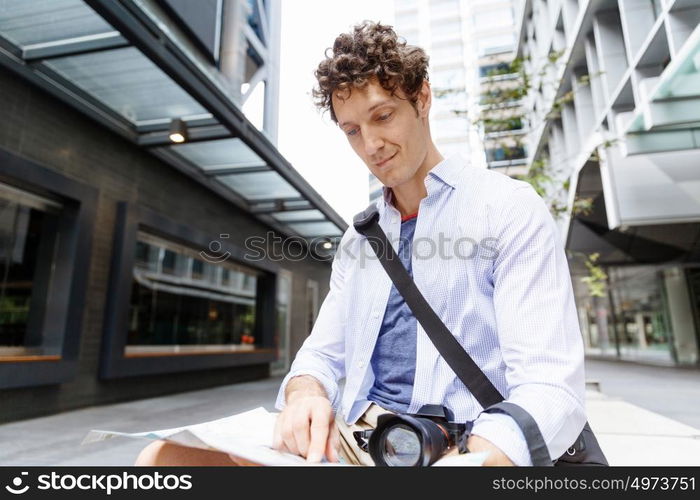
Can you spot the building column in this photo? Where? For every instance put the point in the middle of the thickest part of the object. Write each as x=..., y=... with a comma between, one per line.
x=641, y=334
x=680, y=314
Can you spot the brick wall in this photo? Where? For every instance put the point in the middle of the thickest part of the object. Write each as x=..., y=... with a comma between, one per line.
x=37, y=126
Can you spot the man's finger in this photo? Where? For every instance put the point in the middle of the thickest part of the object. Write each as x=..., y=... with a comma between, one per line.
x=332, y=444
x=287, y=433
x=277, y=433
x=320, y=427
x=301, y=432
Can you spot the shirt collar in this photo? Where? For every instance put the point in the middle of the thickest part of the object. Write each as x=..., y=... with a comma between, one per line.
x=446, y=172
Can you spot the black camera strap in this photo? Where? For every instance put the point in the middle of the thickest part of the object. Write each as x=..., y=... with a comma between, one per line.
x=367, y=224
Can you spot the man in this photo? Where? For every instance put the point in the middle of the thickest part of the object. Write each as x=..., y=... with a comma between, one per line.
x=484, y=252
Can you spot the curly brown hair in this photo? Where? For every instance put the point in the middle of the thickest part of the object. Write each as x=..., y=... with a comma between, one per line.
x=371, y=50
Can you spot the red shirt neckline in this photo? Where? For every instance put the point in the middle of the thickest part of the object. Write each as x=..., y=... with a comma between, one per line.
x=391, y=200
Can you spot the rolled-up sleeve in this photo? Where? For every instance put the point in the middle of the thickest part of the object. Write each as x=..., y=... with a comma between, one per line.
x=538, y=331
x=323, y=353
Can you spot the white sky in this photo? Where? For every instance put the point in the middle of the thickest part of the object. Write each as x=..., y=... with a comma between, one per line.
x=309, y=140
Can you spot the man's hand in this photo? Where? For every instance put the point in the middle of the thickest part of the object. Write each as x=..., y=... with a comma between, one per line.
x=306, y=426
x=495, y=457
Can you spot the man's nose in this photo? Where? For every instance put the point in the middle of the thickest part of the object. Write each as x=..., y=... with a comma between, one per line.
x=373, y=143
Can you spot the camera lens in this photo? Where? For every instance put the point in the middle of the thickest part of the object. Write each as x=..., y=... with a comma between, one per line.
x=401, y=447
x=407, y=441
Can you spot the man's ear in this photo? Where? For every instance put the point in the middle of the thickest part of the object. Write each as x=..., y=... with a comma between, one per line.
x=424, y=100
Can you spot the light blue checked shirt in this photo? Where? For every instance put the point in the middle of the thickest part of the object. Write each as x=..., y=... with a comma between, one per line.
x=487, y=258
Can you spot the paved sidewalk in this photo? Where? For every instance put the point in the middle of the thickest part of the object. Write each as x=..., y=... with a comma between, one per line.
x=670, y=391
x=55, y=440
x=629, y=435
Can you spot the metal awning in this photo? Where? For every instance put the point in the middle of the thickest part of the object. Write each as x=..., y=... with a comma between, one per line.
x=114, y=62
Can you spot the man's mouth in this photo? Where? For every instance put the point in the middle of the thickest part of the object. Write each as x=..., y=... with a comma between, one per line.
x=384, y=162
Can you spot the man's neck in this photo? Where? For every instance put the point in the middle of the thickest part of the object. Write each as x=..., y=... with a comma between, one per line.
x=407, y=196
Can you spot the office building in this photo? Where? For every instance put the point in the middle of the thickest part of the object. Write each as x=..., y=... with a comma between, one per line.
x=614, y=108
x=467, y=41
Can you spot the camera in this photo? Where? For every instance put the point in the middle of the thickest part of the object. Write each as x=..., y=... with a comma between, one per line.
x=414, y=440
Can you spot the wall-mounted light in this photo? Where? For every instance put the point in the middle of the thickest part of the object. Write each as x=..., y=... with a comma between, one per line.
x=178, y=131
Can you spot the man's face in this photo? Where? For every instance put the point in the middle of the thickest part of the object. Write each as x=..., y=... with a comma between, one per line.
x=387, y=132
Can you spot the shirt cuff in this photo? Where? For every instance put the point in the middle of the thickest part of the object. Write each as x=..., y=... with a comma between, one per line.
x=505, y=434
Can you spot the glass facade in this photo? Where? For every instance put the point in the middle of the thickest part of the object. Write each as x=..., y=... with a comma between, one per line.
x=28, y=240
x=182, y=303
x=495, y=44
x=504, y=154
x=283, y=323
x=641, y=321
x=650, y=315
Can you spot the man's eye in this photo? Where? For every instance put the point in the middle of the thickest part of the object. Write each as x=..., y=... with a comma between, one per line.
x=352, y=132
x=385, y=116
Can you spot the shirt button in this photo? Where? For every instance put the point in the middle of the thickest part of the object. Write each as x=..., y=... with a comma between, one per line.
x=375, y=314
x=361, y=364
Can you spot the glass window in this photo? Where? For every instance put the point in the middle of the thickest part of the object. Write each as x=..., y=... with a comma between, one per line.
x=444, y=8
x=312, y=303
x=224, y=153
x=407, y=19
x=642, y=323
x=129, y=83
x=502, y=124
x=28, y=243
x=406, y=5
x=501, y=68
x=496, y=44
x=444, y=53
x=446, y=28
x=31, y=22
x=181, y=303
x=255, y=19
x=448, y=78
x=493, y=18
x=505, y=153
x=411, y=36
x=451, y=127
x=202, y=20
x=283, y=324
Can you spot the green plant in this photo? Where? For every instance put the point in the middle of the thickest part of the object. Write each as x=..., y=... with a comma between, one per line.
x=539, y=176
x=499, y=115
x=596, y=281
x=582, y=206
